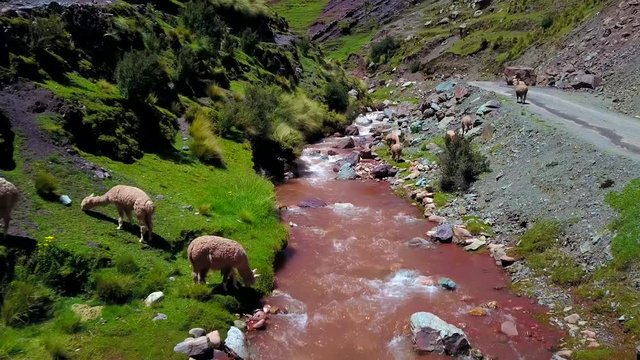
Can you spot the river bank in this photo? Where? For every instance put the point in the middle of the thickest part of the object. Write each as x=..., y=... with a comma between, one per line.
x=538, y=173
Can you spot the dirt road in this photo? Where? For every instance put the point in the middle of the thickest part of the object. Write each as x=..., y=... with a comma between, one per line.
x=606, y=129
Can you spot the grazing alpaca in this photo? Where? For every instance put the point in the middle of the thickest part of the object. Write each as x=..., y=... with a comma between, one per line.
x=467, y=123
x=9, y=196
x=521, y=90
x=396, y=152
x=452, y=135
x=392, y=138
x=217, y=253
x=126, y=198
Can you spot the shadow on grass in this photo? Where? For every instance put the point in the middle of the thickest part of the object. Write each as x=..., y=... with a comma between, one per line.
x=19, y=242
x=157, y=241
x=248, y=297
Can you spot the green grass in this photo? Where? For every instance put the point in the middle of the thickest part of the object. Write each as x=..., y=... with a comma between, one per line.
x=51, y=124
x=242, y=209
x=595, y=354
x=539, y=237
x=300, y=13
x=441, y=199
x=347, y=45
x=625, y=245
x=477, y=226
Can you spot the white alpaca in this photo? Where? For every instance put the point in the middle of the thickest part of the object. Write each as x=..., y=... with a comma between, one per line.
x=127, y=199
x=217, y=253
x=521, y=90
x=9, y=196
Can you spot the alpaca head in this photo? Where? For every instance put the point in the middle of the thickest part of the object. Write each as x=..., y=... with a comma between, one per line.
x=86, y=202
x=250, y=281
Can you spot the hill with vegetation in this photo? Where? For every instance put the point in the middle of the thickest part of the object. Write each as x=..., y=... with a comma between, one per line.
x=200, y=104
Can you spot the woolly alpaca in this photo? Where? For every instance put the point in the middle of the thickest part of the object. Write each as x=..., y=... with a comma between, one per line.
x=452, y=135
x=467, y=123
x=392, y=138
x=126, y=198
x=217, y=253
x=9, y=196
x=521, y=90
x=396, y=151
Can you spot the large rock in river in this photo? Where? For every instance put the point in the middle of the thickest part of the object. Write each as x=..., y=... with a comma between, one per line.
x=432, y=334
x=346, y=143
x=352, y=130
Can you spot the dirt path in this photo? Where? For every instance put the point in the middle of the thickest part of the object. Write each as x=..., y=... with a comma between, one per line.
x=607, y=130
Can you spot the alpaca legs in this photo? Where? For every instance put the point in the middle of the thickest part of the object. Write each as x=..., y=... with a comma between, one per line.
x=120, y=216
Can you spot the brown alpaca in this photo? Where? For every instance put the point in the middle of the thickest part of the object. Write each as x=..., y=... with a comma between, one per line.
x=521, y=90
x=217, y=253
x=467, y=123
x=127, y=199
x=392, y=138
x=9, y=196
x=396, y=152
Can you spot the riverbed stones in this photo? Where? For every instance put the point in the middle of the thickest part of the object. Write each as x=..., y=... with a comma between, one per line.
x=443, y=233
x=446, y=87
x=214, y=338
x=237, y=342
x=381, y=171
x=432, y=334
x=447, y=283
x=475, y=245
x=352, y=130
x=197, y=332
x=509, y=328
x=198, y=348
x=347, y=172
x=313, y=203
x=345, y=143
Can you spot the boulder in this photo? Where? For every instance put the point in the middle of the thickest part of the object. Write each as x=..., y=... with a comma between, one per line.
x=197, y=332
x=352, y=130
x=427, y=113
x=351, y=159
x=313, y=203
x=214, y=338
x=363, y=120
x=346, y=172
x=432, y=334
x=381, y=171
x=196, y=348
x=509, y=328
x=346, y=143
x=446, y=87
x=586, y=81
x=443, y=233
x=153, y=298
x=488, y=107
x=460, y=92
x=237, y=342
x=526, y=74
x=447, y=283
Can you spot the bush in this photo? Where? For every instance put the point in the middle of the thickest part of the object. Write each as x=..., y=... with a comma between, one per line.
x=139, y=74
x=540, y=237
x=114, y=288
x=46, y=184
x=205, y=209
x=204, y=144
x=65, y=271
x=126, y=264
x=69, y=322
x=200, y=17
x=546, y=22
x=386, y=47
x=55, y=348
x=460, y=164
x=336, y=96
x=26, y=303
x=415, y=66
x=248, y=41
x=47, y=33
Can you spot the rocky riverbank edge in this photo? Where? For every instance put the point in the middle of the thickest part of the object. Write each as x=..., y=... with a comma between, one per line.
x=537, y=172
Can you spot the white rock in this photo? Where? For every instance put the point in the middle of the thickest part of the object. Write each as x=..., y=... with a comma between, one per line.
x=237, y=342
x=153, y=298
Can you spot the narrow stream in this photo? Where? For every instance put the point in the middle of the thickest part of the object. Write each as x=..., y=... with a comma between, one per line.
x=350, y=281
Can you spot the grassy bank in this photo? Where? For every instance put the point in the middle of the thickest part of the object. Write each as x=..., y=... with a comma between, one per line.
x=239, y=204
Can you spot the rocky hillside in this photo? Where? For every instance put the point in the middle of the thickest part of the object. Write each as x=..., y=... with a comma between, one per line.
x=604, y=51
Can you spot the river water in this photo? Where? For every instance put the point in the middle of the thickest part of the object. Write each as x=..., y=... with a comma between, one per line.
x=350, y=281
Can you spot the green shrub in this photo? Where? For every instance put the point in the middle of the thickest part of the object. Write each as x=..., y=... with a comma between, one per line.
x=546, y=22
x=63, y=270
x=46, y=184
x=200, y=17
x=386, y=47
x=200, y=292
x=460, y=164
x=139, y=74
x=248, y=41
x=68, y=322
x=539, y=237
x=155, y=279
x=126, y=264
x=204, y=144
x=114, y=288
x=415, y=66
x=26, y=303
x=55, y=347
x=47, y=33
x=204, y=209
x=336, y=96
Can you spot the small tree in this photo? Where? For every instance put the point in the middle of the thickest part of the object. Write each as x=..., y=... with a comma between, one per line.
x=386, y=47
x=336, y=96
x=139, y=74
x=460, y=164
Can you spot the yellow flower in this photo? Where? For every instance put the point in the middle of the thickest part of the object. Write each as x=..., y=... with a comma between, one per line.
x=49, y=238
